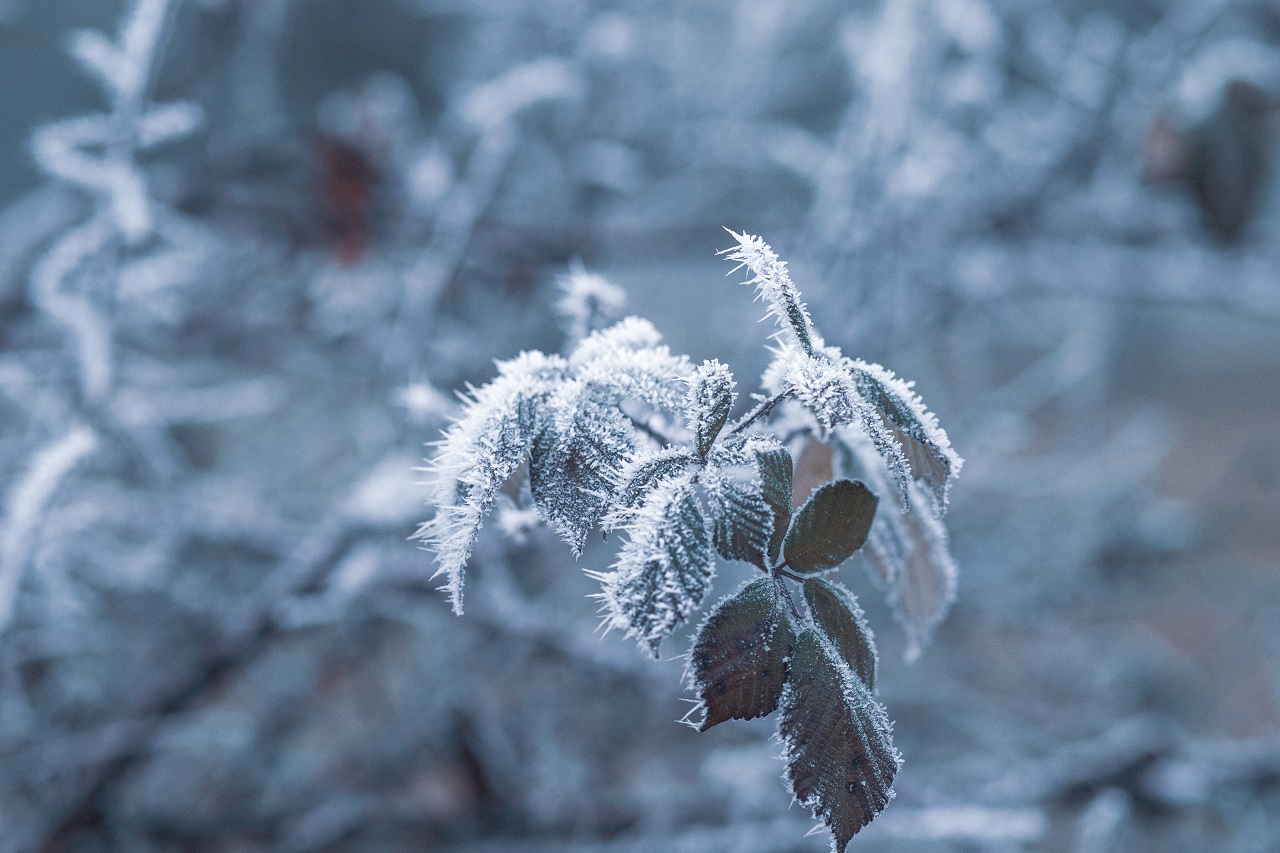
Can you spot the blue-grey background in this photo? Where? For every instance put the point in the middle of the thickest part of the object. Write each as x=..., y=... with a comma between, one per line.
x=220, y=637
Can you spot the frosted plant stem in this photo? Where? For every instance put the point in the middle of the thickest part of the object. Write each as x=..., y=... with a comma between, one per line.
x=645, y=427
x=786, y=596
x=26, y=504
x=74, y=312
x=760, y=411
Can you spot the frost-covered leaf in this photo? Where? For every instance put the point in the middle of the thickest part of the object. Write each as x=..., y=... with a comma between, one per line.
x=637, y=477
x=838, y=615
x=773, y=284
x=629, y=359
x=775, y=480
x=822, y=385
x=711, y=396
x=664, y=569
x=573, y=459
x=831, y=525
x=484, y=447
x=743, y=520
x=738, y=663
x=923, y=443
x=839, y=742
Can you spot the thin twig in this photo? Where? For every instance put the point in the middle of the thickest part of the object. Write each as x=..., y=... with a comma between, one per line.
x=761, y=410
x=648, y=430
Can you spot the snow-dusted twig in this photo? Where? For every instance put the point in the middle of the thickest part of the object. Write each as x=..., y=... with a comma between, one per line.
x=75, y=311
x=98, y=153
x=26, y=504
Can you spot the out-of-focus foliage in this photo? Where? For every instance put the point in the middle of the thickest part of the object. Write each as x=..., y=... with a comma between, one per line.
x=216, y=636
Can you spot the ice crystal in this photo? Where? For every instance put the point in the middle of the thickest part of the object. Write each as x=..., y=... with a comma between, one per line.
x=629, y=360
x=638, y=476
x=573, y=459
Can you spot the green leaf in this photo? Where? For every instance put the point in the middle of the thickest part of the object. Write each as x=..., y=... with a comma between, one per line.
x=839, y=745
x=738, y=661
x=743, y=521
x=775, y=477
x=832, y=524
x=838, y=615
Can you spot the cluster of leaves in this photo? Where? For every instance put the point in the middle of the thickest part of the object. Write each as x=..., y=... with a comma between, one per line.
x=624, y=435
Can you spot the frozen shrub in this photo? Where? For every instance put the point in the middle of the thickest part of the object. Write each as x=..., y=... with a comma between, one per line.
x=620, y=433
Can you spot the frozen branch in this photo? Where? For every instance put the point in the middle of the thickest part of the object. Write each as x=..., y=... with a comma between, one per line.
x=26, y=505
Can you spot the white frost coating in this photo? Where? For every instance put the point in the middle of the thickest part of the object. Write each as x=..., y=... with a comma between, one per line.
x=824, y=384
x=710, y=399
x=167, y=122
x=663, y=570
x=924, y=424
x=26, y=504
x=69, y=149
x=123, y=67
x=60, y=149
x=773, y=284
x=479, y=452
x=586, y=301
x=628, y=357
x=75, y=312
x=836, y=390
x=638, y=475
x=571, y=401
x=821, y=385
x=96, y=152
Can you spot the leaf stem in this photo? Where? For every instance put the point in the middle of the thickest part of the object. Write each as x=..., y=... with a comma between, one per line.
x=760, y=411
x=648, y=430
x=785, y=572
x=791, y=605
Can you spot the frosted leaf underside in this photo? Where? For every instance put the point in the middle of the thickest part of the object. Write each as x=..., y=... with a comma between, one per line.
x=664, y=569
x=707, y=407
x=638, y=477
x=775, y=480
x=924, y=444
x=839, y=747
x=743, y=521
x=738, y=661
